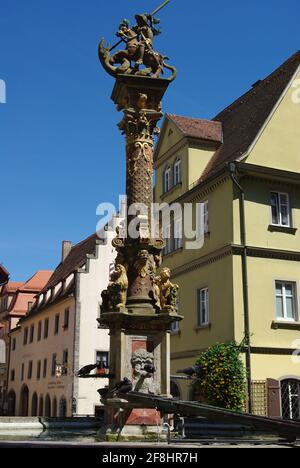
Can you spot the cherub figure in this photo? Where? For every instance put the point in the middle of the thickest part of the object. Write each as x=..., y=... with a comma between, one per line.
x=168, y=290
x=115, y=297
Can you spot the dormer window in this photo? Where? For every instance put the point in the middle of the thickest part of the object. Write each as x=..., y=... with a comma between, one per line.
x=177, y=172
x=167, y=179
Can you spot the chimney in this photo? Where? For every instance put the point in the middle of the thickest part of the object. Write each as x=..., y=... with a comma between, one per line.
x=66, y=249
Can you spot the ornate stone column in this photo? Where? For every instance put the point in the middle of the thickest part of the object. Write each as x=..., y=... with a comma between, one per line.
x=139, y=304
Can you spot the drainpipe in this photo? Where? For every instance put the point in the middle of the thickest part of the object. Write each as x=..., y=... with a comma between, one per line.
x=233, y=175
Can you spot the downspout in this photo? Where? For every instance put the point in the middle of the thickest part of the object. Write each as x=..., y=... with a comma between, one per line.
x=233, y=173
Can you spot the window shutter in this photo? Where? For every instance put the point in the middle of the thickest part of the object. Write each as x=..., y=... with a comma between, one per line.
x=274, y=393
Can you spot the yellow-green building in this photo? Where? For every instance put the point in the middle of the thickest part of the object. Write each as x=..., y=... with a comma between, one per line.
x=244, y=166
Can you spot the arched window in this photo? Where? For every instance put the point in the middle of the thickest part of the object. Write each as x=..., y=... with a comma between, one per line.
x=2, y=352
x=167, y=179
x=41, y=406
x=11, y=402
x=47, y=407
x=54, y=408
x=34, y=405
x=24, y=400
x=62, y=407
x=290, y=398
x=177, y=172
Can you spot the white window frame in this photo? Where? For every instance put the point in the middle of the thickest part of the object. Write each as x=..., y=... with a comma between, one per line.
x=102, y=352
x=203, y=212
x=279, y=206
x=178, y=234
x=284, y=296
x=200, y=321
x=177, y=172
x=168, y=238
x=167, y=179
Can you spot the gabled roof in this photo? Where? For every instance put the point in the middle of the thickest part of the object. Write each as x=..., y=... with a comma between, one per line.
x=38, y=281
x=19, y=305
x=75, y=260
x=240, y=123
x=12, y=287
x=243, y=120
x=198, y=128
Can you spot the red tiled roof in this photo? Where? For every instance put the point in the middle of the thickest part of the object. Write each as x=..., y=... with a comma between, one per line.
x=198, y=128
x=19, y=305
x=13, y=286
x=243, y=120
x=38, y=281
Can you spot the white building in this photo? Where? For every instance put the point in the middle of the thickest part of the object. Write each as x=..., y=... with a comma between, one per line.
x=61, y=332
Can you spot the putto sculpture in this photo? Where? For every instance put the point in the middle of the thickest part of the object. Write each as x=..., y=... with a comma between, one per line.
x=139, y=56
x=114, y=298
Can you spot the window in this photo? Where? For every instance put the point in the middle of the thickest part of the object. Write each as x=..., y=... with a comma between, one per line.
x=290, y=399
x=65, y=362
x=29, y=375
x=280, y=204
x=12, y=375
x=56, y=324
x=202, y=307
x=167, y=179
x=22, y=372
x=286, y=309
x=66, y=319
x=39, y=337
x=53, y=367
x=203, y=217
x=175, y=327
x=46, y=328
x=38, y=372
x=31, y=336
x=25, y=336
x=178, y=234
x=102, y=357
x=13, y=345
x=177, y=172
x=168, y=239
x=45, y=369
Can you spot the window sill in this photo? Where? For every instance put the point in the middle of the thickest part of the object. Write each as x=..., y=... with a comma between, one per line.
x=285, y=325
x=175, y=332
x=284, y=229
x=172, y=189
x=202, y=327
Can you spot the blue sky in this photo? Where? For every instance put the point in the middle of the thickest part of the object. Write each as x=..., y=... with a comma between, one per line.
x=61, y=153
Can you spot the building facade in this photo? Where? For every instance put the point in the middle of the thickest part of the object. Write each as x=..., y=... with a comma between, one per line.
x=61, y=334
x=16, y=298
x=243, y=167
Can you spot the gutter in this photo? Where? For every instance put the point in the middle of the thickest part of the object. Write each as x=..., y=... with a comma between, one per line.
x=232, y=167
